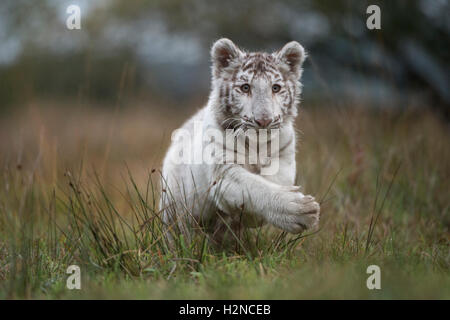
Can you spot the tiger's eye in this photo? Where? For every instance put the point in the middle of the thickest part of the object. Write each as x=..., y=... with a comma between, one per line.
x=276, y=88
x=245, y=87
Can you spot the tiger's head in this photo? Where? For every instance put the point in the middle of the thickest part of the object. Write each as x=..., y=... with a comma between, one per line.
x=256, y=90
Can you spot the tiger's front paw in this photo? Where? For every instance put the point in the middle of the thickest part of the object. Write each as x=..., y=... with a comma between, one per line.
x=301, y=213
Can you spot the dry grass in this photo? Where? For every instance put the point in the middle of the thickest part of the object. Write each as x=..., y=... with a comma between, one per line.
x=382, y=177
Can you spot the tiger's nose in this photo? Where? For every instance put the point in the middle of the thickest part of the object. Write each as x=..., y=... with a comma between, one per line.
x=263, y=122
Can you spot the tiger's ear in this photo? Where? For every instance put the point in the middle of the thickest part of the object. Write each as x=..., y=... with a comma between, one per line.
x=291, y=58
x=223, y=53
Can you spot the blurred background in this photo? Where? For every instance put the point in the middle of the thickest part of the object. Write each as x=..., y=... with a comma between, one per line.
x=113, y=91
x=159, y=50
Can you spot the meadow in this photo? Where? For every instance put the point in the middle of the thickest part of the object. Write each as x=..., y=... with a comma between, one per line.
x=79, y=185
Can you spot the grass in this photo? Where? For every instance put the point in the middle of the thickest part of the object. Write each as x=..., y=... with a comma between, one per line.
x=81, y=187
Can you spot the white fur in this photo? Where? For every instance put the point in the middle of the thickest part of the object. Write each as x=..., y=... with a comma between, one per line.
x=202, y=192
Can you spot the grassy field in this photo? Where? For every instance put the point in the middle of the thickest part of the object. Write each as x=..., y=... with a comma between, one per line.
x=79, y=185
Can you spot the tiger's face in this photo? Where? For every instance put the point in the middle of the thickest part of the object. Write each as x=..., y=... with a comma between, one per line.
x=256, y=90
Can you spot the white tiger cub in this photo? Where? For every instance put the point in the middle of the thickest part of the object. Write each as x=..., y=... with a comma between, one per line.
x=249, y=91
